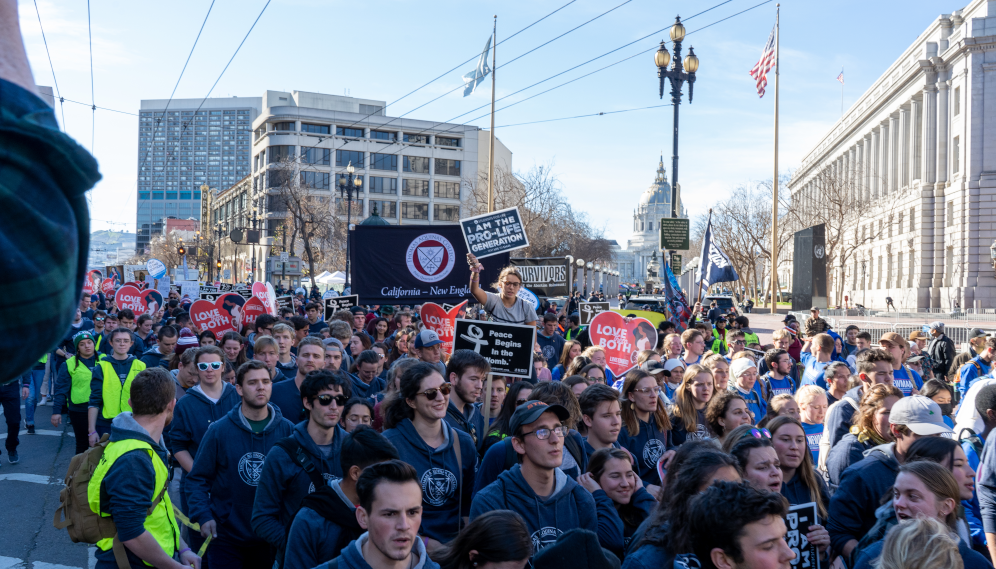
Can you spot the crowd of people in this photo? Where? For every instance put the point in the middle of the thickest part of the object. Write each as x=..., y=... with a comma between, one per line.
x=359, y=441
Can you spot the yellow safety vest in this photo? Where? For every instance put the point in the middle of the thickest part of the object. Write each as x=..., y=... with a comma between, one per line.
x=160, y=523
x=80, y=376
x=43, y=359
x=115, y=395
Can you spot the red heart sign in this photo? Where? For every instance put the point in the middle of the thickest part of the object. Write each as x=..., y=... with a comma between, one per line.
x=139, y=285
x=441, y=322
x=265, y=293
x=92, y=283
x=222, y=315
x=621, y=340
x=253, y=309
x=153, y=300
x=108, y=287
x=129, y=297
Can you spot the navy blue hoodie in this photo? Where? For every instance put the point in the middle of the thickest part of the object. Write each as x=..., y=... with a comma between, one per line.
x=439, y=476
x=195, y=413
x=287, y=397
x=846, y=452
x=313, y=538
x=467, y=423
x=852, y=508
x=153, y=357
x=284, y=484
x=352, y=557
x=569, y=506
x=495, y=460
x=612, y=532
x=222, y=484
x=288, y=369
x=361, y=389
x=647, y=446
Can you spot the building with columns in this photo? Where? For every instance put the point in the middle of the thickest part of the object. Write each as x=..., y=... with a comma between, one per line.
x=920, y=146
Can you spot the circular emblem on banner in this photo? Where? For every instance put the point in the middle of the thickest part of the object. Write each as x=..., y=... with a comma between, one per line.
x=250, y=467
x=438, y=485
x=430, y=257
x=818, y=251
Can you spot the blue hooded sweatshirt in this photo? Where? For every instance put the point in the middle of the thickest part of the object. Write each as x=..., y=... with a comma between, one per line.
x=440, y=476
x=153, y=358
x=195, y=413
x=569, y=506
x=471, y=421
x=495, y=460
x=284, y=484
x=842, y=455
x=361, y=389
x=838, y=419
x=352, y=557
x=647, y=446
x=612, y=532
x=222, y=484
x=852, y=508
x=287, y=397
x=313, y=537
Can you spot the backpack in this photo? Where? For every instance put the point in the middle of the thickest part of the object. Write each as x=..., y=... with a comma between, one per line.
x=973, y=439
x=74, y=513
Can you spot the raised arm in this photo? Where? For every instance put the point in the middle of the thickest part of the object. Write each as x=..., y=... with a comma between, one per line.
x=475, y=276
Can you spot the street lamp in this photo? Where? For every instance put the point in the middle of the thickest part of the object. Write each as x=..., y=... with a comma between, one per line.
x=677, y=76
x=254, y=210
x=349, y=183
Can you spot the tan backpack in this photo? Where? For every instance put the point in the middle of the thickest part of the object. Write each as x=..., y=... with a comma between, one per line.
x=74, y=513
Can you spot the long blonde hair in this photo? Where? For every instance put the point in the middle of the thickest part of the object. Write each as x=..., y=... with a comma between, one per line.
x=920, y=543
x=684, y=399
x=630, y=420
x=805, y=471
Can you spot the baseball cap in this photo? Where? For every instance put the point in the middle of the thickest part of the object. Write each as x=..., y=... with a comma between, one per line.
x=976, y=333
x=914, y=360
x=918, y=335
x=532, y=410
x=427, y=338
x=920, y=415
x=937, y=325
x=814, y=308
x=788, y=319
x=654, y=367
x=892, y=338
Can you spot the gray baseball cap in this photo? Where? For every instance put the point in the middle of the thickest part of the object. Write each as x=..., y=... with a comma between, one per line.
x=530, y=411
x=920, y=415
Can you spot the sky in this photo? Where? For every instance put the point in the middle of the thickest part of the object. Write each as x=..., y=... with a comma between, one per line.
x=385, y=50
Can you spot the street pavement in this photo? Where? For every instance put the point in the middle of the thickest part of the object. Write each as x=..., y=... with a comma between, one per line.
x=29, y=495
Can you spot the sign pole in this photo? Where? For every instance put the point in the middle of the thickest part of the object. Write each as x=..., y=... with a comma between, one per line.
x=491, y=160
x=774, y=186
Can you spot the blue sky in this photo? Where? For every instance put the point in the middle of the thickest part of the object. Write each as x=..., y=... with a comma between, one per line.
x=383, y=50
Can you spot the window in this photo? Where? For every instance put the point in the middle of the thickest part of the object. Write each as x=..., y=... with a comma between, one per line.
x=382, y=135
x=284, y=126
x=184, y=195
x=346, y=157
x=445, y=167
x=950, y=219
x=315, y=128
x=276, y=178
x=354, y=132
x=416, y=164
x=197, y=195
x=157, y=195
x=449, y=190
x=412, y=210
x=379, y=185
x=143, y=195
x=441, y=212
x=955, y=154
x=321, y=156
x=415, y=188
x=416, y=138
x=280, y=153
x=317, y=180
x=445, y=141
x=957, y=102
x=912, y=219
x=899, y=270
x=383, y=161
x=385, y=209
x=900, y=229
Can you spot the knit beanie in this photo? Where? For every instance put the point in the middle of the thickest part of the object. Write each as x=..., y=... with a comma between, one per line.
x=186, y=340
x=740, y=365
x=80, y=336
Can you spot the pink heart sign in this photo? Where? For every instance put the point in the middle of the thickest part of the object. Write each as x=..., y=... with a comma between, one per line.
x=441, y=321
x=621, y=340
x=129, y=297
x=107, y=287
x=222, y=315
x=253, y=309
x=265, y=293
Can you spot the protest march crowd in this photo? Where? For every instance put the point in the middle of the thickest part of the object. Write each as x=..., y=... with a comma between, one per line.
x=362, y=440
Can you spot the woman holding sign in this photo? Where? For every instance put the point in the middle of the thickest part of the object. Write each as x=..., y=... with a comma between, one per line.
x=505, y=307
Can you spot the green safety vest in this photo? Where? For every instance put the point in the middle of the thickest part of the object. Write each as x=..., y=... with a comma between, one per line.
x=80, y=375
x=43, y=359
x=115, y=395
x=160, y=523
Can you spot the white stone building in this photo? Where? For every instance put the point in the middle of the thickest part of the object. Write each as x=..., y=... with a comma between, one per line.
x=921, y=141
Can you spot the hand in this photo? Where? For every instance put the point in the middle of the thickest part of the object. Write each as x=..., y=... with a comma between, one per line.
x=209, y=528
x=190, y=559
x=587, y=481
x=25, y=392
x=92, y=439
x=475, y=265
x=666, y=458
x=819, y=537
x=655, y=491
x=56, y=420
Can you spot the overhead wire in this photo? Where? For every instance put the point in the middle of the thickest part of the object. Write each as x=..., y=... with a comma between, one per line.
x=62, y=106
x=585, y=116
x=93, y=101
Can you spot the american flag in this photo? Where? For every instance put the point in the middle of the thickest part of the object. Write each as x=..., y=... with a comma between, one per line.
x=767, y=61
x=841, y=77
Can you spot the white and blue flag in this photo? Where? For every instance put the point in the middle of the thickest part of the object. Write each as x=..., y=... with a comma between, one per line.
x=475, y=77
x=714, y=265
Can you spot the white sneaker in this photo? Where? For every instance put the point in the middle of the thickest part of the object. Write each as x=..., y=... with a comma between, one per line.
x=44, y=401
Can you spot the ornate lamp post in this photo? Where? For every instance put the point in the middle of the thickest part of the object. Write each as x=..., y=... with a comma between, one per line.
x=349, y=183
x=677, y=75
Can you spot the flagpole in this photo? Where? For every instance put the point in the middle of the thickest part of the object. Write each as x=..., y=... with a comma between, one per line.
x=702, y=258
x=842, y=94
x=491, y=159
x=774, y=184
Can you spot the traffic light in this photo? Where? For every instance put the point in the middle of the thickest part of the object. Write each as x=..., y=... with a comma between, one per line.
x=218, y=264
x=181, y=250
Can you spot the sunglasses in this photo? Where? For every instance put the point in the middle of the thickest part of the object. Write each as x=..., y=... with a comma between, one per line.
x=325, y=400
x=430, y=394
x=98, y=319
x=204, y=366
x=757, y=434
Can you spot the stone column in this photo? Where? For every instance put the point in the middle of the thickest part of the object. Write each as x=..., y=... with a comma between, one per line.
x=852, y=174
x=895, y=145
x=873, y=166
x=883, y=159
x=859, y=174
x=929, y=294
x=903, y=171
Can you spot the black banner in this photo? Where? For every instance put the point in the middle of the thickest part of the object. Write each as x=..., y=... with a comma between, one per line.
x=545, y=276
x=225, y=287
x=212, y=296
x=285, y=302
x=494, y=233
x=507, y=347
x=798, y=520
x=588, y=311
x=414, y=264
x=337, y=303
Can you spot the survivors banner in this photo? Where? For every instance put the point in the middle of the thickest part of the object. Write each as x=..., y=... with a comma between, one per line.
x=493, y=233
x=414, y=265
x=545, y=276
x=507, y=347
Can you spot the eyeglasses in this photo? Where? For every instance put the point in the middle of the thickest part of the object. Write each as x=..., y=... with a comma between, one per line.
x=430, y=394
x=646, y=390
x=325, y=400
x=98, y=319
x=544, y=434
x=520, y=402
x=757, y=434
x=514, y=284
x=204, y=366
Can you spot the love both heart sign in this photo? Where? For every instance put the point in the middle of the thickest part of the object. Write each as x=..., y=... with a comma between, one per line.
x=621, y=340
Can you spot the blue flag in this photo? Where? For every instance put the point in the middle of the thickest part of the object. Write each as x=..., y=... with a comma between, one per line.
x=474, y=78
x=714, y=266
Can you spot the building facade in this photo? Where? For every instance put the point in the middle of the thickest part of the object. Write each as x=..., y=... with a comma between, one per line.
x=192, y=143
x=920, y=144
x=654, y=205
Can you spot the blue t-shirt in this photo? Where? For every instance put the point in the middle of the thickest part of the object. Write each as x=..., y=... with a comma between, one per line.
x=905, y=379
x=813, y=374
x=780, y=386
x=814, y=433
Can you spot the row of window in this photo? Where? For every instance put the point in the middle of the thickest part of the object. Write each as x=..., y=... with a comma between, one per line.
x=198, y=113
x=358, y=133
x=355, y=158
x=411, y=210
x=169, y=195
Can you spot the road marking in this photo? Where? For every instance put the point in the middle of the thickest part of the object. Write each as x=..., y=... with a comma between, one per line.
x=43, y=565
x=46, y=432
x=11, y=563
x=25, y=477
x=14, y=563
